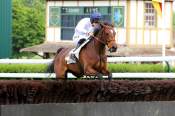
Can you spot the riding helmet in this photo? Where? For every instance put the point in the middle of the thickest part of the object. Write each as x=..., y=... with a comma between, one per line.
x=95, y=17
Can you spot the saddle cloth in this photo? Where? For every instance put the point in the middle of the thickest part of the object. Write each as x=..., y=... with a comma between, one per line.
x=73, y=52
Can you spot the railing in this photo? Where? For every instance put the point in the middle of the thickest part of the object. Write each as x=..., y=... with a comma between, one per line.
x=114, y=75
x=110, y=60
x=166, y=59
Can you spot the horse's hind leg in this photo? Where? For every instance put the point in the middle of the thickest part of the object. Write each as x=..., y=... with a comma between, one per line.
x=61, y=74
x=110, y=76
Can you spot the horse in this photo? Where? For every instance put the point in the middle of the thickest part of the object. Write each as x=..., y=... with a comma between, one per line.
x=92, y=57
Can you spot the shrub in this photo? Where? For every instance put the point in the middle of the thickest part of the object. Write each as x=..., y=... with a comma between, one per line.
x=23, y=68
x=136, y=67
x=123, y=67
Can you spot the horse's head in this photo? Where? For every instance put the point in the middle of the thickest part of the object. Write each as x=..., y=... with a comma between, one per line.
x=107, y=36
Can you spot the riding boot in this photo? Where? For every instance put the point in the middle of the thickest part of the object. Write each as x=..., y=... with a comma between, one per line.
x=80, y=42
x=78, y=45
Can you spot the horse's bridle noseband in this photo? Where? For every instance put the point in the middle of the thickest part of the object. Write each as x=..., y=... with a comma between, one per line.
x=97, y=38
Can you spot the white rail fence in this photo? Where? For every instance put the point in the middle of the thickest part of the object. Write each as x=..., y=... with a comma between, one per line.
x=110, y=60
x=115, y=75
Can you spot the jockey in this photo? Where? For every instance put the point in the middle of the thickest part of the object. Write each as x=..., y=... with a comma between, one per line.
x=85, y=29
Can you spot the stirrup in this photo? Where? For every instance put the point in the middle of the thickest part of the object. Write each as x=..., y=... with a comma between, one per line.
x=73, y=57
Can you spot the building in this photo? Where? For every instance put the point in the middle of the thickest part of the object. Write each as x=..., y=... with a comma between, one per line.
x=137, y=23
x=5, y=28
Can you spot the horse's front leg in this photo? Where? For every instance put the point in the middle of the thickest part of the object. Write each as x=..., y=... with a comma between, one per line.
x=104, y=68
x=89, y=71
x=106, y=72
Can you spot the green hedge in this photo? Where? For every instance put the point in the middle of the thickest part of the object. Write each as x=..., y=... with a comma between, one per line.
x=137, y=68
x=22, y=68
x=41, y=68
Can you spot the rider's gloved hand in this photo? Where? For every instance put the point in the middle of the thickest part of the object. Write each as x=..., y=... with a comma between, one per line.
x=90, y=34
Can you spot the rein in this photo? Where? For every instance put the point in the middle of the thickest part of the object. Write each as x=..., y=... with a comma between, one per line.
x=99, y=40
x=102, y=42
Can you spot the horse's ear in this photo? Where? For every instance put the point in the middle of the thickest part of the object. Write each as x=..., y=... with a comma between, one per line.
x=102, y=24
x=107, y=24
x=97, y=29
x=112, y=24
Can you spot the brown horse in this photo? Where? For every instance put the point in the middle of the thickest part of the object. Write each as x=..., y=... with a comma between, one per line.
x=92, y=57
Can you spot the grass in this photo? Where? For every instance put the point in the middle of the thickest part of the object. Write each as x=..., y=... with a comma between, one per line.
x=123, y=67
x=136, y=67
x=22, y=68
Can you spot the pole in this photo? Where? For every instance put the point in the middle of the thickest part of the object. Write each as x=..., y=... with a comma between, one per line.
x=163, y=36
x=163, y=26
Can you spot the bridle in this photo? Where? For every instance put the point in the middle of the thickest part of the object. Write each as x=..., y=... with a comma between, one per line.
x=98, y=38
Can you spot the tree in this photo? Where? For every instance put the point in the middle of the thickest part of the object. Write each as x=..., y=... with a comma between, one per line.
x=28, y=23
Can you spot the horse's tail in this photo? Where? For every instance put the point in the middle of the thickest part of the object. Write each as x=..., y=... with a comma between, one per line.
x=59, y=50
x=50, y=68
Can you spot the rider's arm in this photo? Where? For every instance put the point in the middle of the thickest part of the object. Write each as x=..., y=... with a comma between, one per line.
x=81, y=28
x=91, y=31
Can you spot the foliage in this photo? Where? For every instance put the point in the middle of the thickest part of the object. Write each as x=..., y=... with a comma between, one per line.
x=41, y=68
x=136, y=68
x=28, y=23
x=23, y=68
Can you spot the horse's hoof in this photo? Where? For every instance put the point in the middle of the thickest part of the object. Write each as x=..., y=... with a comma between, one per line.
x=100, y=76
x=100, y=97
x=110, y=77
x=61, y=79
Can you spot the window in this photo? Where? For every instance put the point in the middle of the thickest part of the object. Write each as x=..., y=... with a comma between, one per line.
x=54, y=16
x=67, y=17
x=71, y=15
x=149, y=15
x=118, y=16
